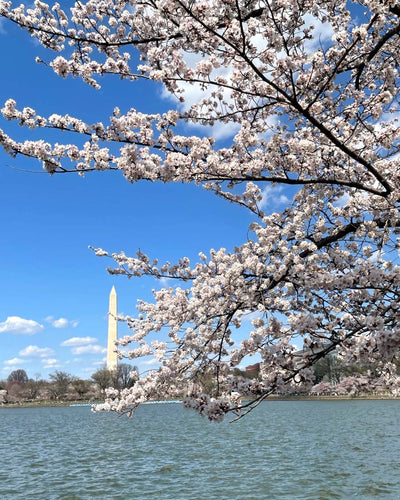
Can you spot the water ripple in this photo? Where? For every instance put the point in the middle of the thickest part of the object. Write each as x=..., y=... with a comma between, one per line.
x=301, y=450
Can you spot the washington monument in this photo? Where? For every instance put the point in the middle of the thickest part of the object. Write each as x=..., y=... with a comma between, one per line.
x=112, y=360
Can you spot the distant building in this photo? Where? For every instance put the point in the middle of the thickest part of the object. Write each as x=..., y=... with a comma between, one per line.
x=252, y=370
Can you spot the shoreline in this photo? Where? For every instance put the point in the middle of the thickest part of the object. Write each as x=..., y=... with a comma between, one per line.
x=333, y=398
x=53, y=404
x=47, y=404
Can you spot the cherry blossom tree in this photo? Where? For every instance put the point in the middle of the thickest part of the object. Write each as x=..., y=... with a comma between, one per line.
x=310, y=91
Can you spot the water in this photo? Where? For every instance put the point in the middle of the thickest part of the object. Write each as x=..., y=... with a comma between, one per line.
x=284, y=450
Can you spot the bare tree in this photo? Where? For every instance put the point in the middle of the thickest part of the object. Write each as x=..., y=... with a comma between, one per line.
x=103, y=378
x=18, y=376
x=59, y=385
x=80, y=386
x=127, y=375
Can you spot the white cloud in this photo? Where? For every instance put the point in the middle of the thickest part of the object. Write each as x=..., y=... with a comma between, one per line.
x=36, y=352
x=151, y=361
x=322, y=33
x=88, y=370
x=99, y=363
x=219, y=130
x=21, y=326
x=50, y=363
x=14, y=362
x=88, y=349
x=249, y=316
x=61, y=322
x=194, y=93
x=164, y=281
x=342, y=201
x=78, y=341
x=272, y=196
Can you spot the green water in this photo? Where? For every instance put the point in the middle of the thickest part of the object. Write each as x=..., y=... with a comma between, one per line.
x=283, y=450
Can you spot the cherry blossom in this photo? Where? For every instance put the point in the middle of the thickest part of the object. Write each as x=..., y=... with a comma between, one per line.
x=318, y=113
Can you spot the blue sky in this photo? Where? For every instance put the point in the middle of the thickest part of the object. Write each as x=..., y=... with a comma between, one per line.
x=52, y=287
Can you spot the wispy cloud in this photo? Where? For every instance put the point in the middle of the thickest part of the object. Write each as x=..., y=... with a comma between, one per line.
x=88, y=349
x=273, y=196
x=102, y=362
x=194, y=93
x=249, y=316
x=78, y=341
x=164, y=281
x=20, y=326
x=33, y=351
x=61, y=322
x=150, y=361
x=342, y=201
x=14, y=362
x=50, y=363
x=321, y=33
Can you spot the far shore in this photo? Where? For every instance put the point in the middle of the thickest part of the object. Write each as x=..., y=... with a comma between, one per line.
x=330, y=397
x=50, y=404
x=47, y=404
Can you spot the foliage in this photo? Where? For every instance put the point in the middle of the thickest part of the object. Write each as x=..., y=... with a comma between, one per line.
x=314, y=108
